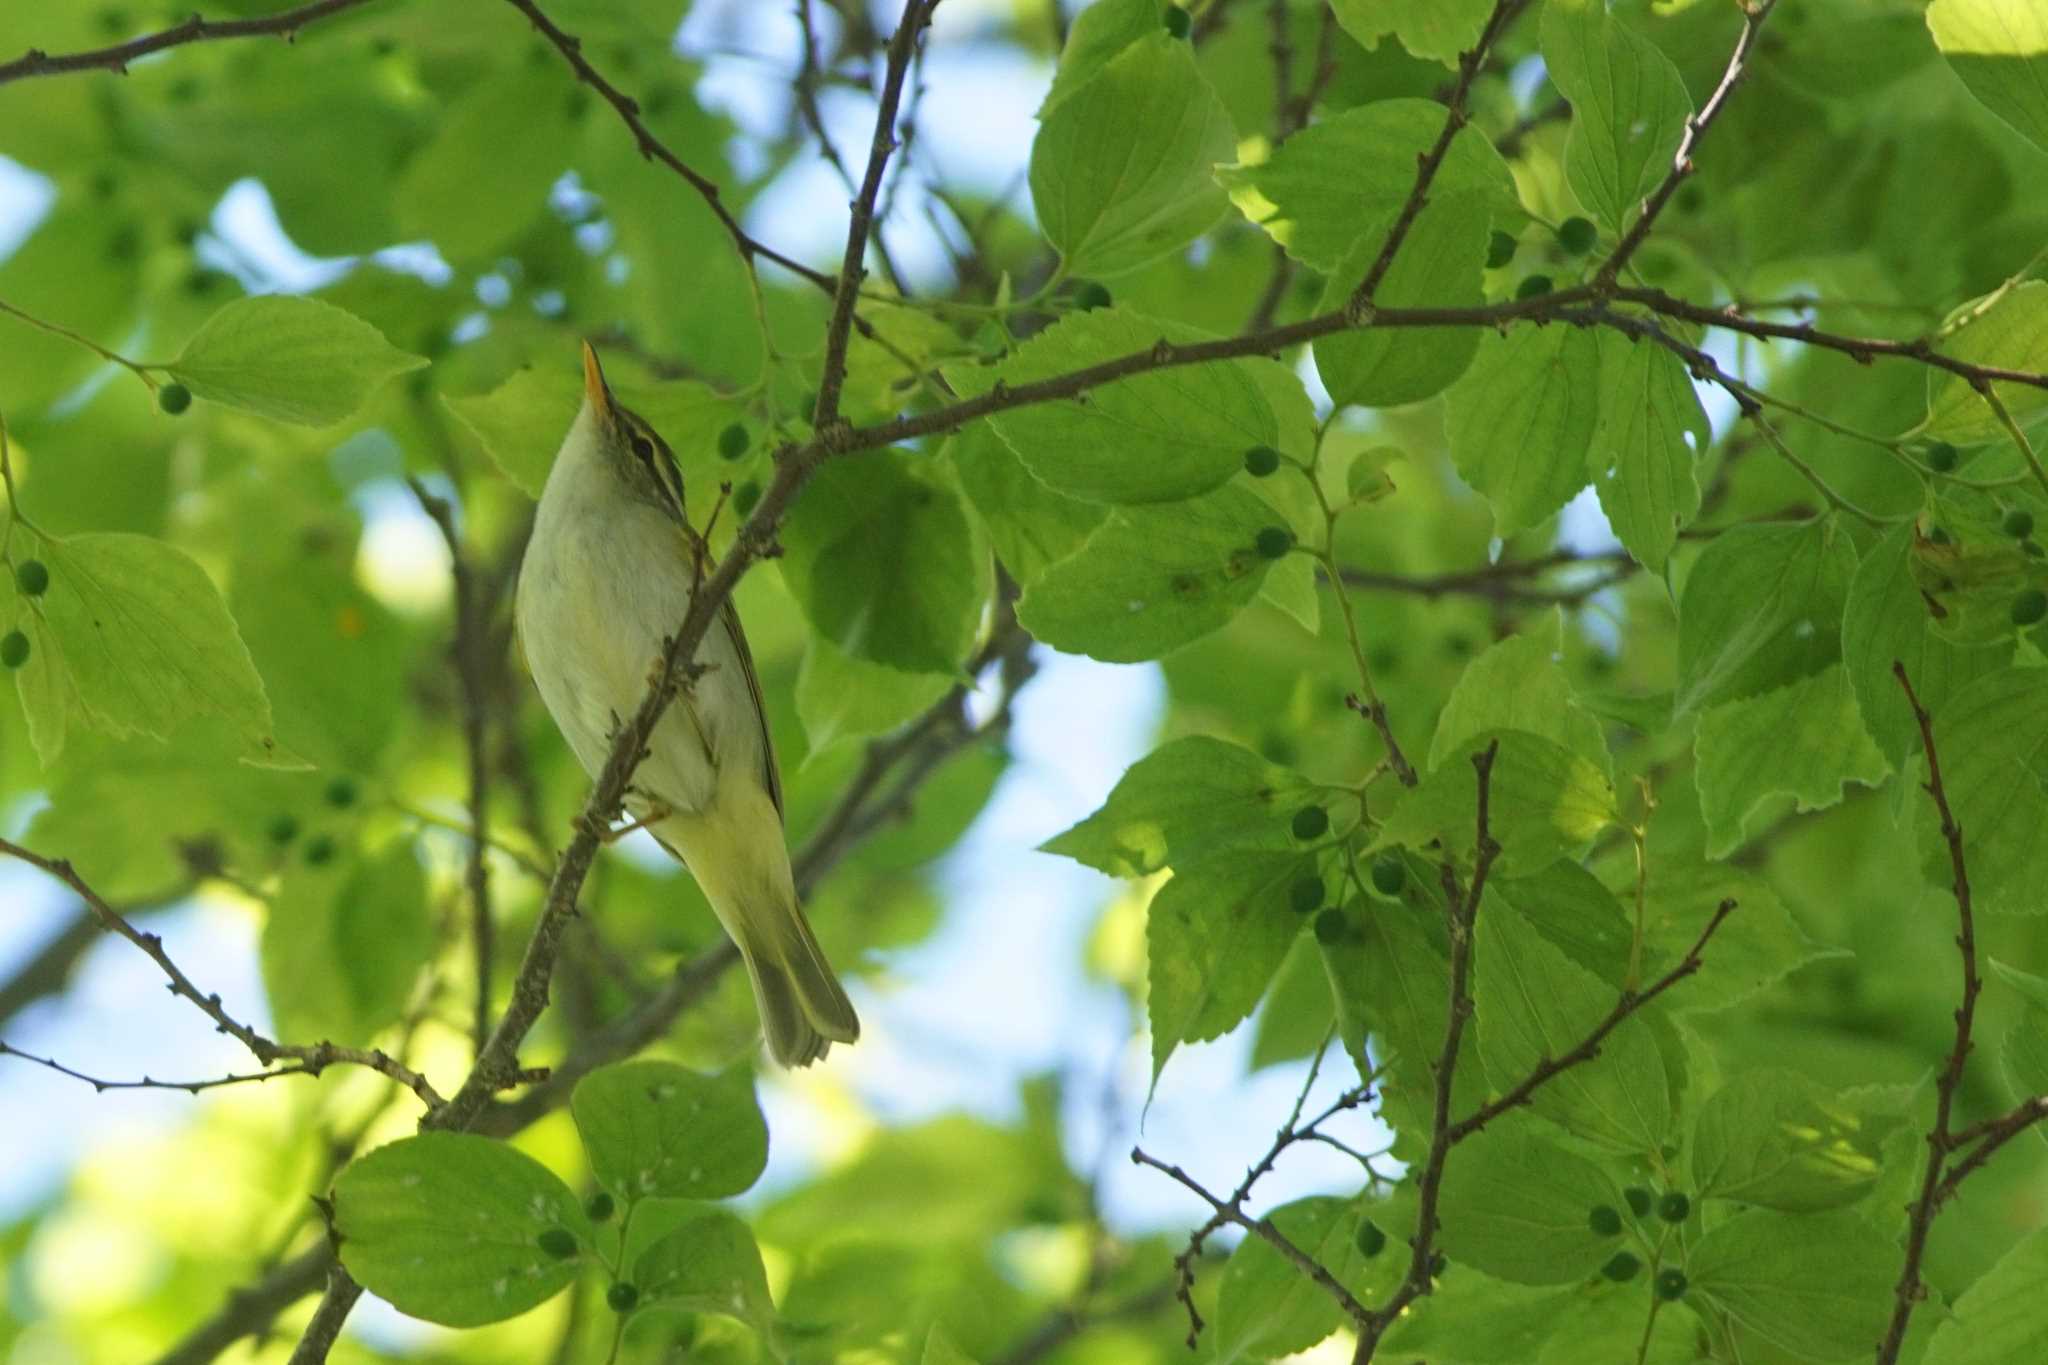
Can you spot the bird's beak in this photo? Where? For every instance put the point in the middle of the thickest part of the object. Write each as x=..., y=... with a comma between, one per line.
x=594, y=391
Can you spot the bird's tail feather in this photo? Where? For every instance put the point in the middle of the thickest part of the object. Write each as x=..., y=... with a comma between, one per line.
x=747, y=880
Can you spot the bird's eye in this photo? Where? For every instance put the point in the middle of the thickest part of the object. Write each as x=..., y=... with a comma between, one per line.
x=643, y=447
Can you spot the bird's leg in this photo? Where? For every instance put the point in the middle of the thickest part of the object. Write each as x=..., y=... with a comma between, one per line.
x=654, y=814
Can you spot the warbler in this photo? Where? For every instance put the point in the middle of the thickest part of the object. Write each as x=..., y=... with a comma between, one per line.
x=608, y=575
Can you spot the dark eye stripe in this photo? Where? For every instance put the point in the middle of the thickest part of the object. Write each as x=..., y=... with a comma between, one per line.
x=653, y=452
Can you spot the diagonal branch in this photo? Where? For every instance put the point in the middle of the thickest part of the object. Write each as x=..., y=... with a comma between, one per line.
x=1754, y=12
x=194, y=30
x=315, y=1057
x=1427, y=165
x=917, y=14
x=1942, y=1137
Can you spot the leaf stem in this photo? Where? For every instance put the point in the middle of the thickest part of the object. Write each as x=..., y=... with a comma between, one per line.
x=54, y=329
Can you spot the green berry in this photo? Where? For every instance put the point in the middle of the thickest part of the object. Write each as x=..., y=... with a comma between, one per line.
x=1938, y=535
x=1671, y=1285
x=1310, y=822
x=319, y=851
x=341, y=793
x=1091, y=296
x=1273, y=541
x=599, y=1206
x=2032, y=548
x=1621, y=1267
x=1260, y=461
x=1177, y=21
x=1500, y=249
x=1389, y=873
x=1370, y=1240
x=2029, y=607
x=745, y=496
x=1639, y=1200
x=1941, y=457
x=283, y=829
x=1576, y=236
x=1673, y=1207
x=559, y=1243
x=733, y=442
x=14, y=649
x=1604, y=1219
x=174, y=398
x=33, y=577
x=1306, y=895
x=622, y=1297
x=1331, y=929
x=2018, y=523
x=1532, y=285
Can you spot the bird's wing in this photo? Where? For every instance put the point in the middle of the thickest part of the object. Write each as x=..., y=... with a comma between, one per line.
x=770, y=773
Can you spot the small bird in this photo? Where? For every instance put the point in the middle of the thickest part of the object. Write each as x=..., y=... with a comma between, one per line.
x=609, y=573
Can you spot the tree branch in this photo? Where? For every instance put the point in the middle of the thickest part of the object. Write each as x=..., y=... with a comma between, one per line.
x=852, y=270
x=1941, y=1138
x=250, y=1310
x=194, y=30
x=315, y=1057
x=1754, y=12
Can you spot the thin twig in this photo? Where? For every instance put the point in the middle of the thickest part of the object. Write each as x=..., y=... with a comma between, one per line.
x=1754, y=12
x=1427, y=165
x=249, y=1310
x=838, y=332
x=101, y=1084
x=1987, y=1138
x=467, y=650
x=1229, y=1212
x=1461, y=912
x=315, y=1057
x=1941, y=1137
x=193, y=30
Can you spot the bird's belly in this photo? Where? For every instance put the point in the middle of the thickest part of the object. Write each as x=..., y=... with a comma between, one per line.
x=606, y=612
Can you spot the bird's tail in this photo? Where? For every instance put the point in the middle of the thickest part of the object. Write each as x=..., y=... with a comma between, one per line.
x=739, y=859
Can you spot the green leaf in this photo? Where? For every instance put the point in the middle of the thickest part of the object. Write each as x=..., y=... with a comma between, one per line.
x=1265, y=1306
x=2003, y=1316
x=658, y=1129
x=1101, y=31
x=138, y=641
x=2012, y=334
x=1155, y=437
x=938, y=1347
x=1535, y=1004
x=1152, y=579
x=344, y=944
x=1581, y=918
x=1030, y=526
x=1818, y=1285
x=1804, y=740
x=708, y=1265
x=879, y=554
x=2000, y=50
x=446, y=1227
x=1437, y=29
x=839, y=697
x=1517, y=1207
x=1757, y=945
x=1122, y=168
x=1885, y=619
x=473, y=189
x=1518, y=684
x=294, y=359
x=1993, y=741
x=2024, y=1052
x=1761, y=608
x=1183, y=801
x=1327, y=185
x=1214, y=936
x=1438, y=266
x=1629, y=107
x=1649, y=432
x=1545, y=802
x=1772, y=1138
x=1391, y=982
x=1522, y=418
